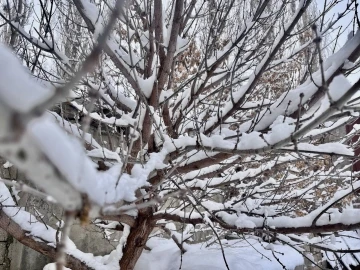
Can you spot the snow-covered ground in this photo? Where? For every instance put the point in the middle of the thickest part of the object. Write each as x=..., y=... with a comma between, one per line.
x=246, y=254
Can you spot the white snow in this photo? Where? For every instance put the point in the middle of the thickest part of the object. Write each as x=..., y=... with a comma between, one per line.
x=40, y=232
x=345, y=241
x=18, y=90
x=52, y=266
x=338, y=87
x=240, y=255
x=268, y=116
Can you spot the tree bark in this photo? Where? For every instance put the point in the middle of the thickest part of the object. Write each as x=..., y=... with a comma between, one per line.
x=137, y=239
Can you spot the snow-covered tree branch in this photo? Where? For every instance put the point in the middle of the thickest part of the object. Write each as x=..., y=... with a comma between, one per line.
x=173, y=118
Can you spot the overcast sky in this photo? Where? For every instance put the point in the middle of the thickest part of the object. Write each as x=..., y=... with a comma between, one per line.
x=339, y=8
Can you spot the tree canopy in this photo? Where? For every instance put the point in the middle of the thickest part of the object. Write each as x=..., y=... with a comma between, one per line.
x=180, y=116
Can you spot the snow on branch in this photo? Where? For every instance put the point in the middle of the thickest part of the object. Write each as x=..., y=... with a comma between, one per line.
x=35, y=234
x=39, y=147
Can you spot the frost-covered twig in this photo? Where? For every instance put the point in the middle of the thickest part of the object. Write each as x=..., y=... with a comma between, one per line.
x=26, y=188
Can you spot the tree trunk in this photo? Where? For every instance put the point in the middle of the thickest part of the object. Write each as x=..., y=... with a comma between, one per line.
x=137, y=239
